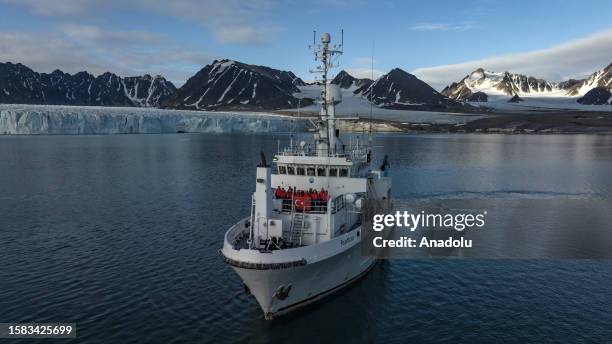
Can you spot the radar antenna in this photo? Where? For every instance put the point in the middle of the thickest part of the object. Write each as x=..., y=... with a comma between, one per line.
x=330, y=96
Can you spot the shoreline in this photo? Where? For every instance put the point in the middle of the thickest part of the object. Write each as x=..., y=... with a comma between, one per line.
x=532, y=123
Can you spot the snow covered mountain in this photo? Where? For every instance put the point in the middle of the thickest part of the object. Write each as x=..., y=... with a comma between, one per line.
x=492, y=83
x=227, y=84
x=401, y=90
x=21, y=85
x=345, y=80
x=601, y=78
x=511, y=85
x=148, y=91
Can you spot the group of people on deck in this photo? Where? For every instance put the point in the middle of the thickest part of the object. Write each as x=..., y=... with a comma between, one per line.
x=304, y=200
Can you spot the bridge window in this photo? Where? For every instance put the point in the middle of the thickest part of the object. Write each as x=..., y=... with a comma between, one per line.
x=310, y=171
x=290, y=170
x=301, y=171
x=321, y=171
x=343, y=172
x=333, y=172
x=282, y=170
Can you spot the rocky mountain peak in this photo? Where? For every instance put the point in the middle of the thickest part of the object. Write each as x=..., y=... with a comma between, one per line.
x=345, y=80
x=229, y=84
x=399, y=89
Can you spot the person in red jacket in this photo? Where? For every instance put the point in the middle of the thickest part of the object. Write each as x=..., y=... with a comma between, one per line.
x=323, y=198
x=307, y=202
x=287, y=199
x=316, y=203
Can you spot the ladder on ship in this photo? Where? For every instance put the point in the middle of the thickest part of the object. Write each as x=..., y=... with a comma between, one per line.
x=297, y=225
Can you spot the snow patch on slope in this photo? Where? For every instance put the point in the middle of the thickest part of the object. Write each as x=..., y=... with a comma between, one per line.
x=355, y=105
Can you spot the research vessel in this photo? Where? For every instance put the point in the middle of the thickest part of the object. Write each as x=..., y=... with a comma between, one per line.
x=301, y=241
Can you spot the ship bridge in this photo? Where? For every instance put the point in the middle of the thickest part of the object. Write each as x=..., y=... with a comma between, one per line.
x=306, y=161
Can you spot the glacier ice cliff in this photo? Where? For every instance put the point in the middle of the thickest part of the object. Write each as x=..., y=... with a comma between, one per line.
x=66, y=120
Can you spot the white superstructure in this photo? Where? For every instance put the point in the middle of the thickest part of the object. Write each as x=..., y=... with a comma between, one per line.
x=301, y=241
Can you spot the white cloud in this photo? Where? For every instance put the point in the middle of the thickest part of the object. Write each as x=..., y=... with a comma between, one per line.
x=364, y=61
x=97, y=35
x=76, y=48
x=244, y=34
x=338, y=3
x=44, y=53
x=443, y=26
x=58, y=7
x=575, y=58
x=229, y=21
x=73, y=46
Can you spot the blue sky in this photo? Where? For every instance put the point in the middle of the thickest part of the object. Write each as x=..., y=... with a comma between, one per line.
x=439, y=41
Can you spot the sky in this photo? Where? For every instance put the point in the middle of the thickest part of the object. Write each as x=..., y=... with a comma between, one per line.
x=438, y=41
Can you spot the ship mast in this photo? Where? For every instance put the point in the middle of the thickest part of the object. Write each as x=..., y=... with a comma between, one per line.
x=330, y=96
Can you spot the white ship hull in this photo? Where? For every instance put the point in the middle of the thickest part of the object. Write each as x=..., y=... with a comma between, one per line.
x=284, y=280
x=309, y=283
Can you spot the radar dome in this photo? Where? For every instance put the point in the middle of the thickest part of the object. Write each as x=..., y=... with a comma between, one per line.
x=359, y=203
x=325, y=38
x=350, y=198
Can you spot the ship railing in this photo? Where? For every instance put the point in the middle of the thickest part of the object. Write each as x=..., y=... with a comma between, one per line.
x=239, y=235
x=337, y=204
x=352, y=152
x=286, y=205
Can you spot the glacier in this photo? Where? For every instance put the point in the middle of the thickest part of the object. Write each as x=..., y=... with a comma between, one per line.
x=356, y=105
x=76, y=120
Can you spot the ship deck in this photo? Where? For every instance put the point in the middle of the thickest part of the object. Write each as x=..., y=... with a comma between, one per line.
x=239, y=238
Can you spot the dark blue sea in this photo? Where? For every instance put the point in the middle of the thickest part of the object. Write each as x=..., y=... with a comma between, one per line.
x=120, y=235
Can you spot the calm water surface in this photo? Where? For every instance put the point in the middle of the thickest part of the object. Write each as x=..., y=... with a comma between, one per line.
x=120, y=234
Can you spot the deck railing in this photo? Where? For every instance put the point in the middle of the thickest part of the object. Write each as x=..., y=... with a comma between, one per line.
x=352, y=152
x=287, y=205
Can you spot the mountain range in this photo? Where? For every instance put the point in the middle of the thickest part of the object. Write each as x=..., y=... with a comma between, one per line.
x=20, y=84
x=232, y=85
x=398, y=90
x=480, y=84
